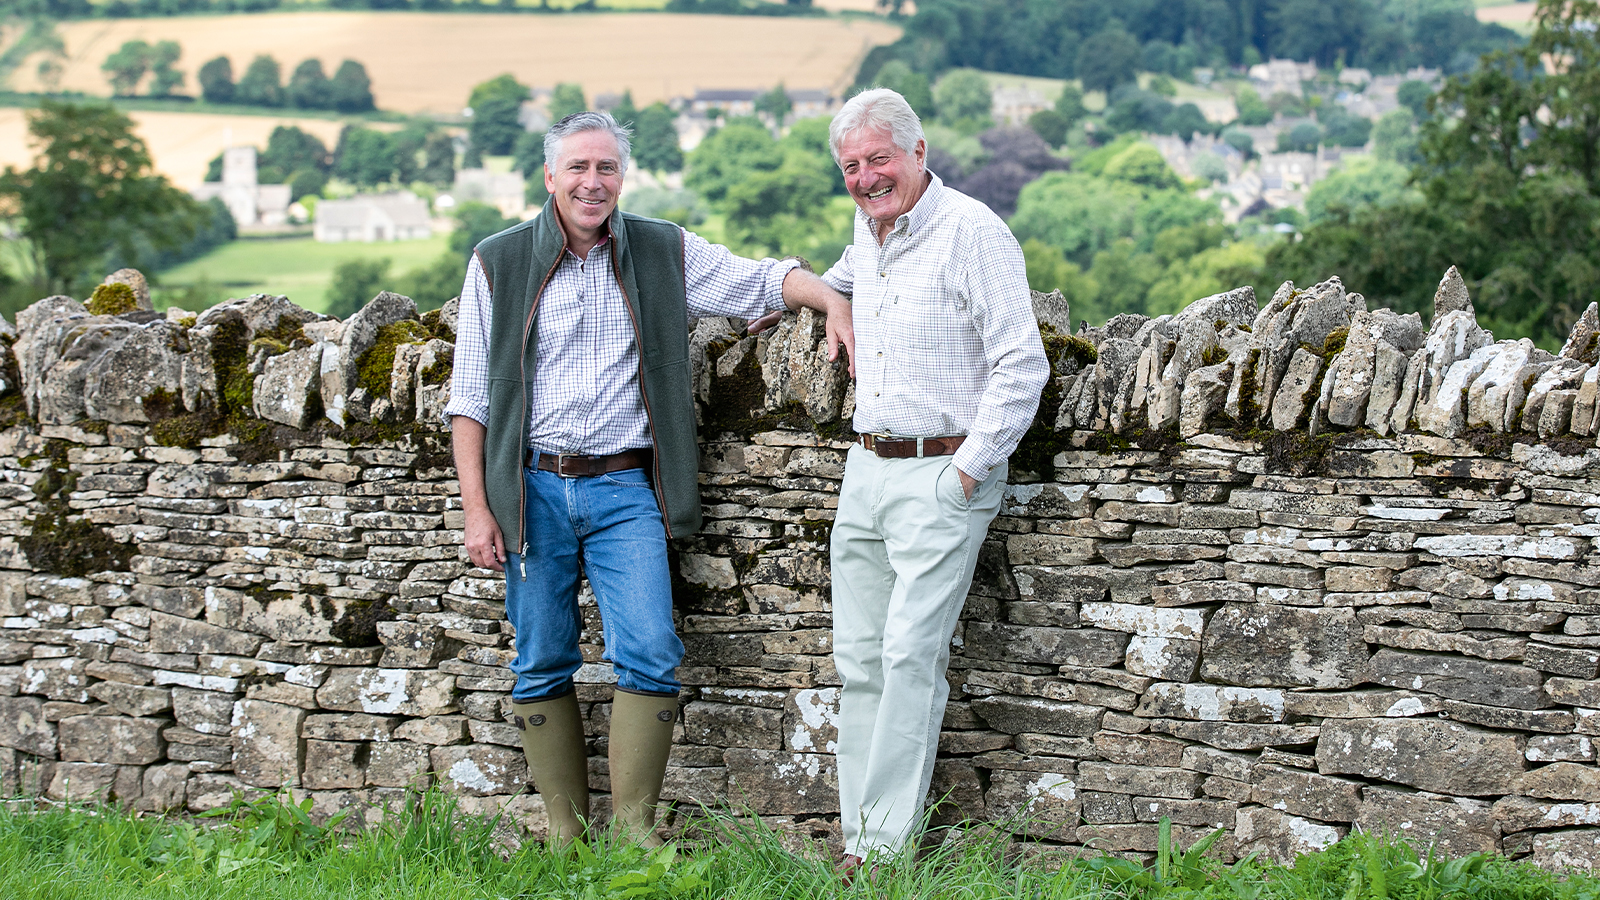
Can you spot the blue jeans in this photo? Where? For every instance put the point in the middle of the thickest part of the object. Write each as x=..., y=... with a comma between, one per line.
x=609, y=528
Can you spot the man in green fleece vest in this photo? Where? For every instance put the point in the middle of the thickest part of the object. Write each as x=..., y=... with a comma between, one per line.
x=573, y=419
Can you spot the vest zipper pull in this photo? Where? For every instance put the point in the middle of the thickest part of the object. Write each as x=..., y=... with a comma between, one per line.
x=522, y=560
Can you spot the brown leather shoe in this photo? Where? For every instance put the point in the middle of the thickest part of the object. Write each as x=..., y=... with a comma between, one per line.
x=852, y=866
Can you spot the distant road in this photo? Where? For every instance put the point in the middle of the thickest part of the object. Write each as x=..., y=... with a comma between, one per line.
x=428, y=62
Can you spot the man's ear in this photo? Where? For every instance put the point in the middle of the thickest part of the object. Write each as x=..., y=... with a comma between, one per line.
x=549, y=181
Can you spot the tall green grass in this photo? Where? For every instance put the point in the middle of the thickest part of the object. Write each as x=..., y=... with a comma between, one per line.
x=271, y=848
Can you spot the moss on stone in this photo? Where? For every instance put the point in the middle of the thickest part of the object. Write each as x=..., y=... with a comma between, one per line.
x=1214, y=355
x=1486, y=440
x=358, y=627
x=376, y=366
x=1334, y=342
x=59, y=541
x=433, y=320
x=438, y=372
x=112, y=300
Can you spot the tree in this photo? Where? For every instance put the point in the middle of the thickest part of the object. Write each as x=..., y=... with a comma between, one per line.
x=964, y=100
x=775, y=103
x=1137, y=110
x=1395, y=140
x=354, y=283
x=1184, y=121
x=1252, y=109
x=290, y=149
x=1084, y=214
x=262, y=84
x=566, y=99
x=1016, y=157
x=496, y=114
x=127, y=67
x=1341, y=129
x=309, y=88
x=1362, y=181
x=474, y=222
x=900, y=78
x=1108, y=59
x=527, y=155
x=1240, y=140
x=364, y=157
x=164, y=79
x=216, y=81
x=730, y=155
x=655, y=140
x=91, y=192
x=1051, y=126
x=1303, y=138
x=625, y=111
x=1413, y=95
x=438, y=160
x=350, y=90
x=1070, y=103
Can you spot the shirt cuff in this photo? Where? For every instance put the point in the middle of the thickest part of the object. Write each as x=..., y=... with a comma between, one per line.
x=476, y=410
x=975, y=458
x=780, y=270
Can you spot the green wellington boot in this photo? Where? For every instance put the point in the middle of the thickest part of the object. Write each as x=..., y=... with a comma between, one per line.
x=558, y=761
x=641, y=738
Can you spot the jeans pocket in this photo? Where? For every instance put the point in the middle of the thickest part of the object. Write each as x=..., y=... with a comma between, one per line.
x=627, y=478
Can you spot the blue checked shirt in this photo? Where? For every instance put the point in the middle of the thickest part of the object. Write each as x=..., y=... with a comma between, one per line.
x=946, y=340
x=586, y=396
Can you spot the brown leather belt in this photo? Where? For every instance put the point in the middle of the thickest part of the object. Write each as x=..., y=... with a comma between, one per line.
x=568, y=465
x=911, y=448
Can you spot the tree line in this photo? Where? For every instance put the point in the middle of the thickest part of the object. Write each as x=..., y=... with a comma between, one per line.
x=309, y=87
x=1104, y=44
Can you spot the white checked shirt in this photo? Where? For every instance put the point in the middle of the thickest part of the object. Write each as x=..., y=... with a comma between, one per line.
x=946, y=340
x=586, y=397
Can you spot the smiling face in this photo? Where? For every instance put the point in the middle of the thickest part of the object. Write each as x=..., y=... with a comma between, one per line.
x=585, y=183
x=884, y=180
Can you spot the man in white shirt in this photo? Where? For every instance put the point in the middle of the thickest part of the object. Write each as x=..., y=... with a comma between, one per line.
x=949, y=369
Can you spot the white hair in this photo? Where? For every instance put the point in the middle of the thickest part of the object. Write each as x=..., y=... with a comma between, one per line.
x=877, y=109
x=580, y=122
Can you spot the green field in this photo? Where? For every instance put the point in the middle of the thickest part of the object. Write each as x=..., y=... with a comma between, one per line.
x=299, y=268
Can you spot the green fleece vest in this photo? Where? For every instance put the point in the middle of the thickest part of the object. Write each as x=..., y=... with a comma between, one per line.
x=647, y=259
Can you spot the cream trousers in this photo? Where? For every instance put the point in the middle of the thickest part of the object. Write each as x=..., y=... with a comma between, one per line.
x=904, y=546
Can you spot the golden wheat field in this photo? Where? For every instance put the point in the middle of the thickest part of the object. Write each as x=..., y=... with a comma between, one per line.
x=180, y=143
x=428, y=62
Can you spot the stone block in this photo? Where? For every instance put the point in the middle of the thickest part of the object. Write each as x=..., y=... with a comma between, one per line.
x=403, y=692
x=349, y=727
x=267, y=751
x=334, y=764
x=62, y=678
x=165, y=789
x=955, y=793
x=1016, y=715
x=1577, y=848
x=1168, y=659
x=777, y=782
x=1043, y=804
x=118, y=740
x=398, y=764
x=1461, y=678
x=811, y=721
x=1055, y=646
x=1279, y=836
x=479, y=769
x=23, y=726
x=1306, y=794
x=436, y=730
x=415, y=645
x=1213, y=703
x=173, y=634
x=208, y=712
x=1268, y=645
x=82, y=782
x=1145, y=781
x=1407, y=751
x=132, y=699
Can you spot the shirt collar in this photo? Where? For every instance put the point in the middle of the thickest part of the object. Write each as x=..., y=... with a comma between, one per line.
x=920, y=214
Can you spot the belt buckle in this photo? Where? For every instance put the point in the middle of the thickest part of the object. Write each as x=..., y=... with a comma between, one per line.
x=561, y=465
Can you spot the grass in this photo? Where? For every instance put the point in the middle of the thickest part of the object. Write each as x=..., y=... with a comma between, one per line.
x=270, y=848
x=297, y=267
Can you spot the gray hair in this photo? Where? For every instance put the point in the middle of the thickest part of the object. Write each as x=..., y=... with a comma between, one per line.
x=580, y=122
x=878, y=109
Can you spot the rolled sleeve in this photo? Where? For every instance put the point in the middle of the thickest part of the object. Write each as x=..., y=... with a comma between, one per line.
x=469, y=370
x=1002, y=313
x=722, y=284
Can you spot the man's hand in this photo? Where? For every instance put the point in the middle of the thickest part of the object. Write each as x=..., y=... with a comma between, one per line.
x=802, y=288
x=486, y=547
x=765, y=322
x=968, y=483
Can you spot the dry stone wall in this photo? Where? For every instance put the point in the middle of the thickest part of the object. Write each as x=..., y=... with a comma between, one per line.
x=1285, y=571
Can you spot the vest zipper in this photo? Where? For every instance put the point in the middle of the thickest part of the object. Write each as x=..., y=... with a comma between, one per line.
x=527, y=331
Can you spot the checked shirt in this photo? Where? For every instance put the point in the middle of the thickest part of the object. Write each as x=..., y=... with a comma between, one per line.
x=586, y=397
x=946, y=340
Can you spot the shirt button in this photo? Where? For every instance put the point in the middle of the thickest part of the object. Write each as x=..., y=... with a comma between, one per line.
x=880, y=352
x=883, y=274
x=874, y=393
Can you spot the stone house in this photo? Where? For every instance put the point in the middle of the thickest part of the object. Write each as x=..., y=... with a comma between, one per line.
x=400, y=216
x=505, y=191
